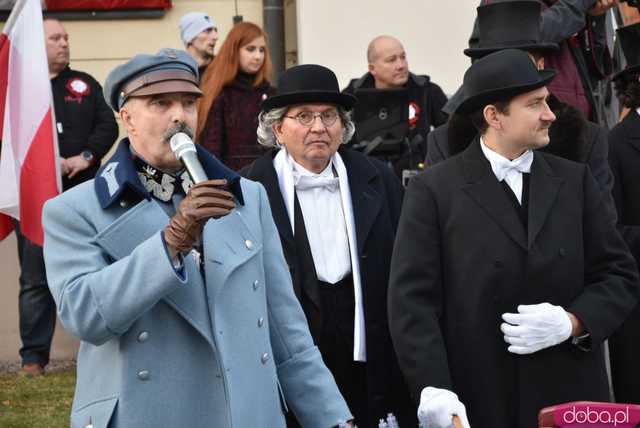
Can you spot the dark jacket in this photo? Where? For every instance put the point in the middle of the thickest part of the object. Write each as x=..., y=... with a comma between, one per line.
x=84, y=120
x=230, y=130
x=463, y=258
x=376, y=197
x=427, y=95
x=624, y=157
x=570, y=137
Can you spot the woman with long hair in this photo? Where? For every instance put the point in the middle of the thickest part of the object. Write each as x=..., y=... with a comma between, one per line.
x=234, y=86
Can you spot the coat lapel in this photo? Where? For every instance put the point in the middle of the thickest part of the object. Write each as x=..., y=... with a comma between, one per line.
x=543, y=190
x=483, y=187
x=138, y=224
x=365, y=199
x=263, y=172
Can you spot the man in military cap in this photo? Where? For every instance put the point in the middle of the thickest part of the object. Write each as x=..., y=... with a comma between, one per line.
x=508, y=272
x=179, y=292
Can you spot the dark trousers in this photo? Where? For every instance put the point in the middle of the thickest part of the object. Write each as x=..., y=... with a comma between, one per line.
x=36, y=307
x=336, y=346
x=624, y=353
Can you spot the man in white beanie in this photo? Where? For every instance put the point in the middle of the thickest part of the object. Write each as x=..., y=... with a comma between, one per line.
x=199, y=33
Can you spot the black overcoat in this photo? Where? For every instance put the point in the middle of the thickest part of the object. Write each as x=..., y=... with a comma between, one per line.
x=624, y=157
x=463, y=258
x=376, y=195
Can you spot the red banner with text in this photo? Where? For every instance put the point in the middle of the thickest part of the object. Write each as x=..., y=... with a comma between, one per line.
x=66, y=5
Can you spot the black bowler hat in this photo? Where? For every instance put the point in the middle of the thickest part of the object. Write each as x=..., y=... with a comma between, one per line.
x=500, y=76
x=509, y=25
x=309, y=83
x=629, y=37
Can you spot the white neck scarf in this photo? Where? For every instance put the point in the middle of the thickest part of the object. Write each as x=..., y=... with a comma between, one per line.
x=283, y=165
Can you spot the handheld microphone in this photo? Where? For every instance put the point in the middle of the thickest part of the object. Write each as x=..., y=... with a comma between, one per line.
x=185, y=151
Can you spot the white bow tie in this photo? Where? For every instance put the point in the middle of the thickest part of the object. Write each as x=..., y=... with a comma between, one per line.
x=304, y=182
x=505, y=168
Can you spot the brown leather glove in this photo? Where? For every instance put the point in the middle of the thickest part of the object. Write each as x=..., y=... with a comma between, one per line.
x=205, y=200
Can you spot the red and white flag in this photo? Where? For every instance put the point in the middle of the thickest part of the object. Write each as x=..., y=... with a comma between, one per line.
x=28, y=158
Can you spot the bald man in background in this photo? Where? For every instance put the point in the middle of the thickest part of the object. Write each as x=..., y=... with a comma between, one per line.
x=389, y=70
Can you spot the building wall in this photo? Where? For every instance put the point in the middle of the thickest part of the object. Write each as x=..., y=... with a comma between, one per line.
x=336, y=33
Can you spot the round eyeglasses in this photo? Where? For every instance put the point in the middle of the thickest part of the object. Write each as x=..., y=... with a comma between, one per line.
x=306, y=118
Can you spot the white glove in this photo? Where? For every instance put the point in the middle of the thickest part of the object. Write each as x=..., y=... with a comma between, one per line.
x=535, y=327
x=437, y=408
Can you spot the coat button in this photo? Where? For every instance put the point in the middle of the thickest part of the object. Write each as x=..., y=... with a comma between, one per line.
x=248, y=244
x=264, y=358
x=260, y=322
x=143, y=336
x=498, y=264
x=256, y=284
x=123, y=203
x=144, y=375
x=562, y=252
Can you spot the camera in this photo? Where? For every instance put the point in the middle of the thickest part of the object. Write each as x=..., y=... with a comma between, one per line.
x=632, y=3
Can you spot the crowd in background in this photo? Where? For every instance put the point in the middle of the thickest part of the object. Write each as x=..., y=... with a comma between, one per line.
x=335, y=166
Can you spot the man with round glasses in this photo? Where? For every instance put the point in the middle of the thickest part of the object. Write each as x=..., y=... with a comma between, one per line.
x=336, y=212
x=307, y=118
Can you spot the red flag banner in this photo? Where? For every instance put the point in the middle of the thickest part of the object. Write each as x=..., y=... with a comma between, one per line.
x=28, y=156
x=67, y=5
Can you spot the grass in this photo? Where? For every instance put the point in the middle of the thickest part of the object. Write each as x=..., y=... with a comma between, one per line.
x=43, y=402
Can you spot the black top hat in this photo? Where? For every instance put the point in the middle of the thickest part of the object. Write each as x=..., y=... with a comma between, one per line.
x=629, y=37
x=309, y=83
x=509, y=25
x=500, y=76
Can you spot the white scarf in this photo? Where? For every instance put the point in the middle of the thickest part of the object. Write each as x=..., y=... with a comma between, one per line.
x=282, y=163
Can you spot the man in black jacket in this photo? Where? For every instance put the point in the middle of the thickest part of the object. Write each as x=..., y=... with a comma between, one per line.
x=508, y=272
x=583, y=61
x=343, y=296
x=86, y=130
x=389, y=71
x=522, y=25
x=624, y=157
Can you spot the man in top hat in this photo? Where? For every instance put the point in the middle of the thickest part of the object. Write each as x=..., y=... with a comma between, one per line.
x=508, y=272
x=199, y=34
x=624, y=157
x=583, y=61
x=179, y=293
x=336, y=211
x=520, y=25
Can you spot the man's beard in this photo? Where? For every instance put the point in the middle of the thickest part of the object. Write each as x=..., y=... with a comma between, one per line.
x=180, y=127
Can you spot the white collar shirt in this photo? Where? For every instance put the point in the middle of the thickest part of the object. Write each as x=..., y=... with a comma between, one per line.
x=324, y=221
x=509, y=170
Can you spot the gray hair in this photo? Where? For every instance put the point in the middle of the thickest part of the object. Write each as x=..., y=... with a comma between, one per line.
x=267, y=119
